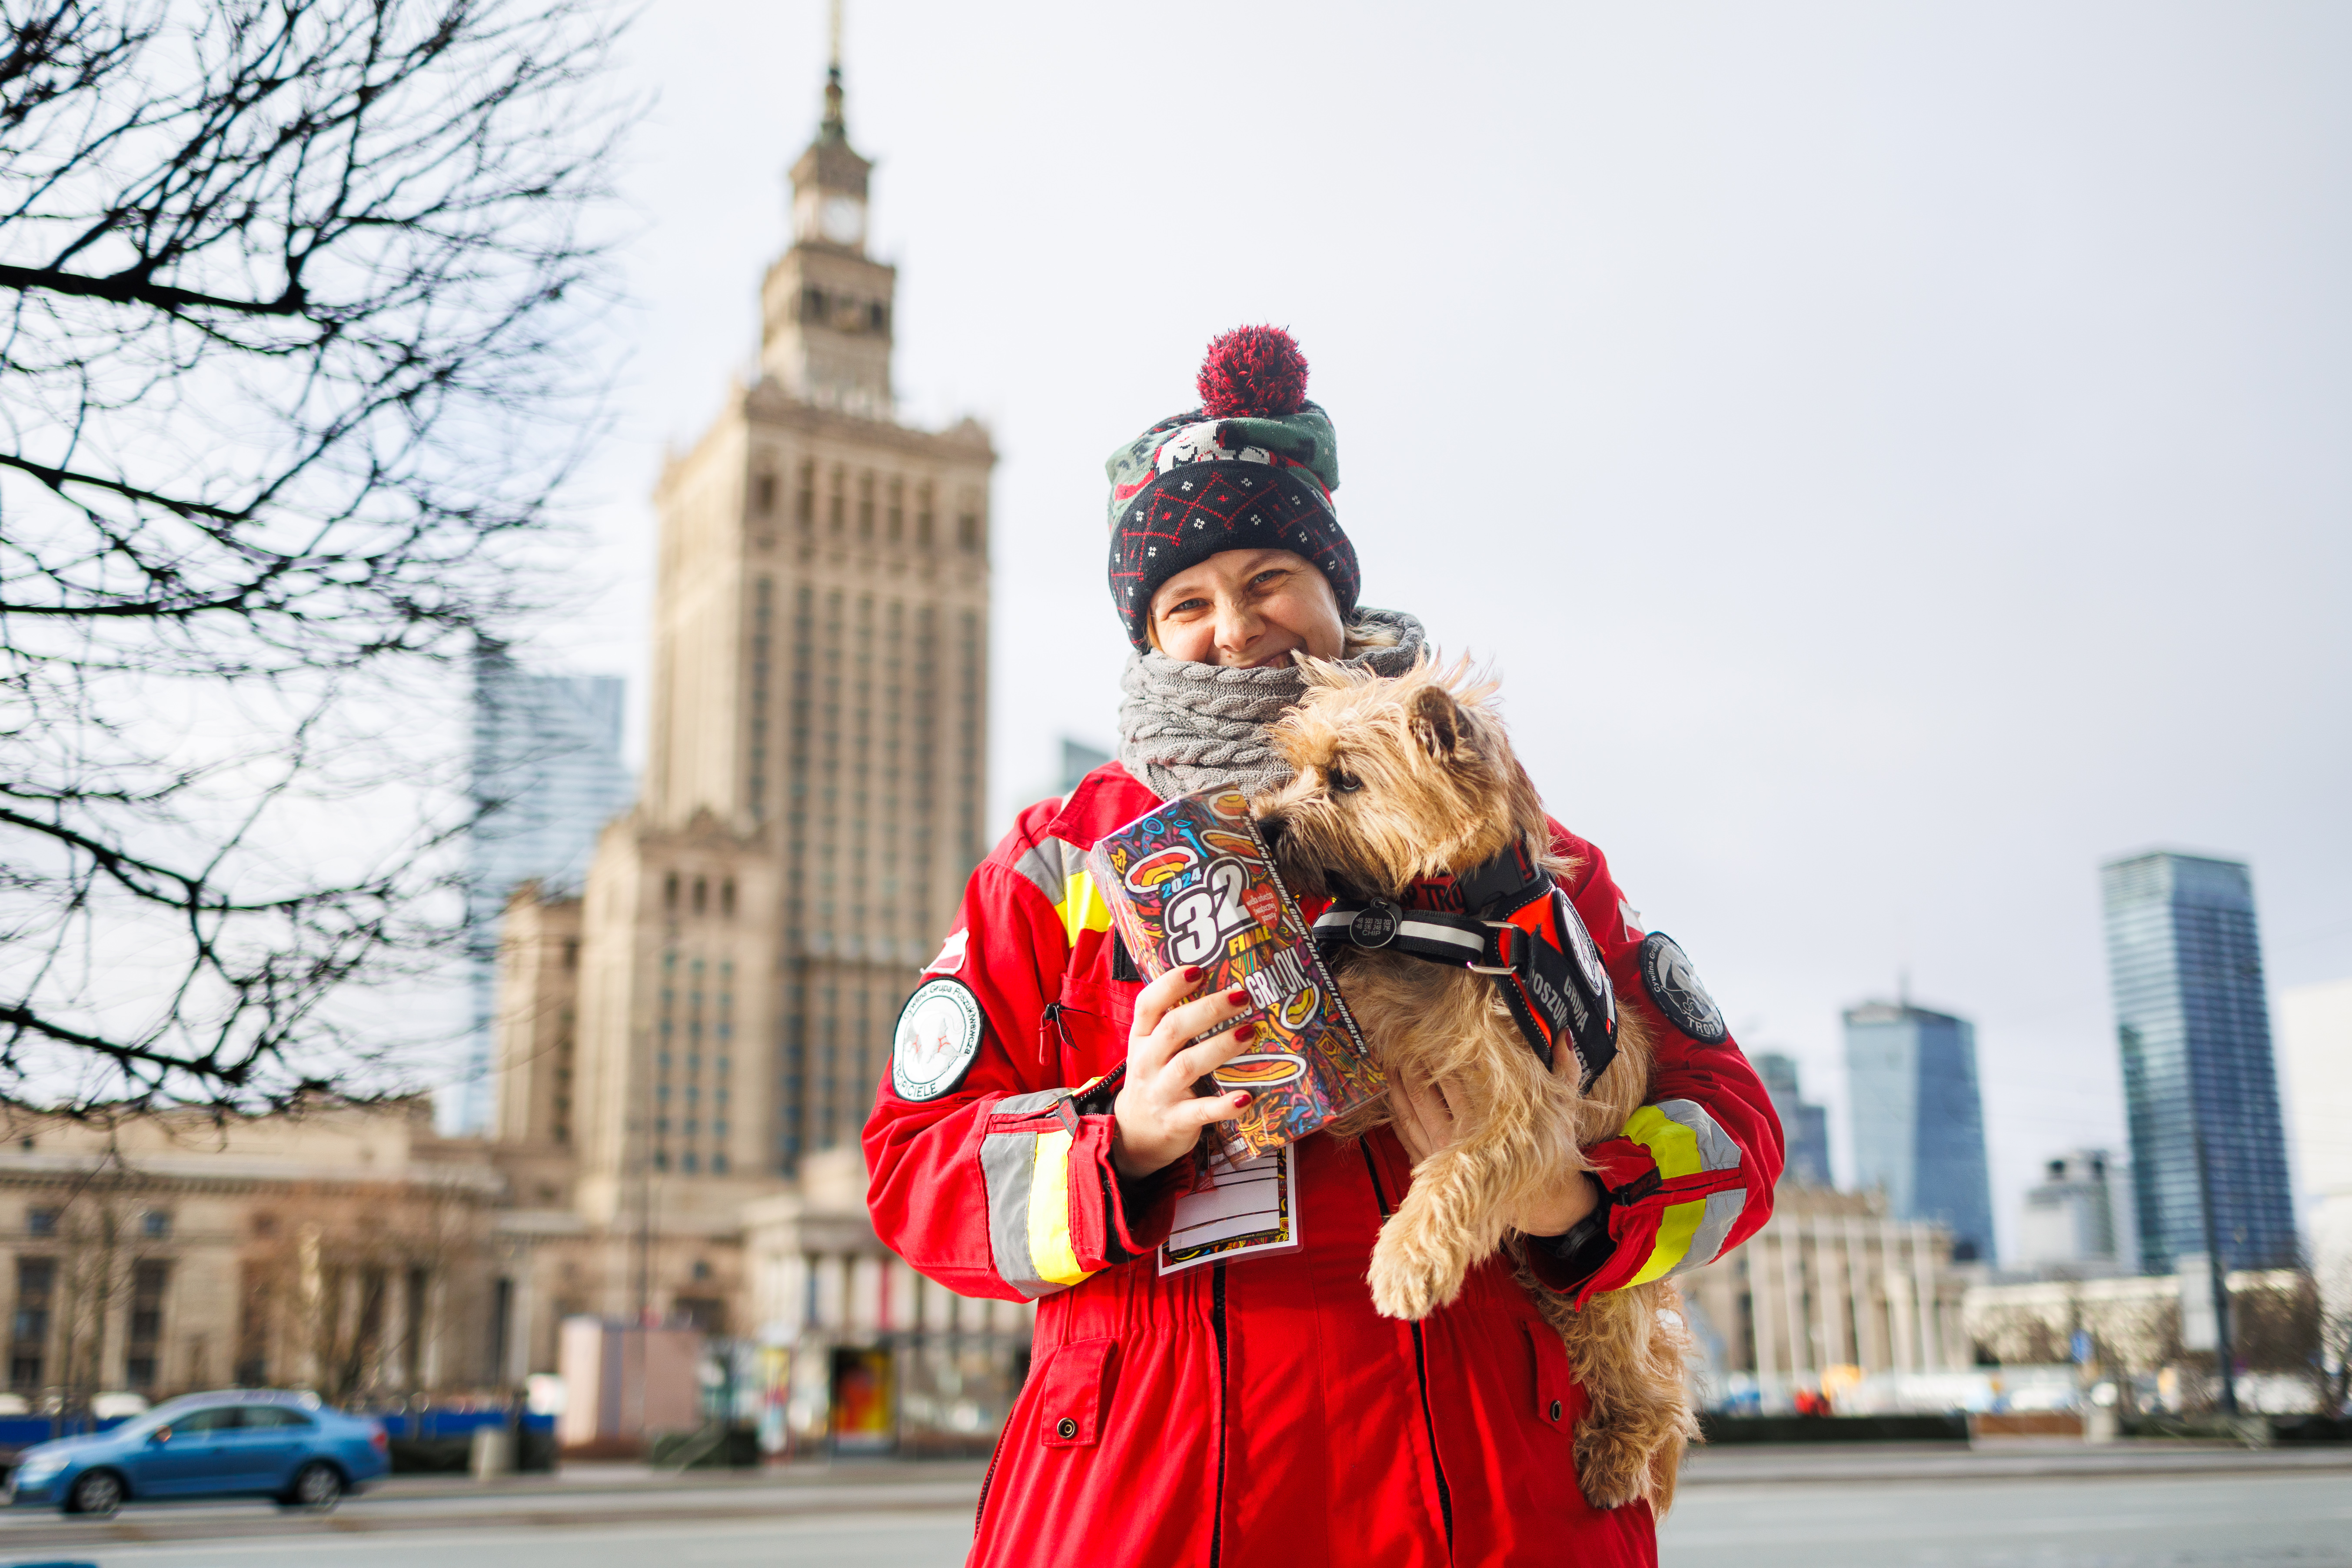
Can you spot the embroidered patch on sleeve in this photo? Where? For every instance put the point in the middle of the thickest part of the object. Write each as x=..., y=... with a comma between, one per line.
x=936, y=1039
x=1676, y=987
x=951, y=958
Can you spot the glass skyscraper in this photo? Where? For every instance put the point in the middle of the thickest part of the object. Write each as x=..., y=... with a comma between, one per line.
x=1805, y=1128
x=2199, y=1090
x=547, y=776
x=1918, y=1121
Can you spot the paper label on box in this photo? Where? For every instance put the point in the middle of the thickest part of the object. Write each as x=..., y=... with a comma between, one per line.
x=1246, y=1208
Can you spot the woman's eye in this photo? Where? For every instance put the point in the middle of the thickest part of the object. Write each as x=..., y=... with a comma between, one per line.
x=1344, y=783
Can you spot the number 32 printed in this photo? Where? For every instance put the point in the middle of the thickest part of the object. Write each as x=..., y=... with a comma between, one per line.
x=1200, y=919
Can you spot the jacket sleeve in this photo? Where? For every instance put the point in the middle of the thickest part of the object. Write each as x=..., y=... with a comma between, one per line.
x=1004, y=1186
x=1691, y=1175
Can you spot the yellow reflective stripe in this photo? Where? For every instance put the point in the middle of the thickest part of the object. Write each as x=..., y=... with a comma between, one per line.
x=1675, y=1148
x=1050, y=1250
x=1673, y=1145
x=1082, y=908
x=1675, y=1228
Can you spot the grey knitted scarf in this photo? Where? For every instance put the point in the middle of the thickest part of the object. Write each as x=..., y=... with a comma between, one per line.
x=1183, y=727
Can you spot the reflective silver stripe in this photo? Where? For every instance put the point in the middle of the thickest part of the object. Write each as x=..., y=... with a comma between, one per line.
x=1042, y=868
x=1429, y=931
x=1009, y=1161
x=1707, y=1242
x=1717, y=1152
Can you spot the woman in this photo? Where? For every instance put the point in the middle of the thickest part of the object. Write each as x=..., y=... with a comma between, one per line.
x=1032, y=1141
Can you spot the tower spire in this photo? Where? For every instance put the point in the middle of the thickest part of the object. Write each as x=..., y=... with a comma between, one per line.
x=834, y=128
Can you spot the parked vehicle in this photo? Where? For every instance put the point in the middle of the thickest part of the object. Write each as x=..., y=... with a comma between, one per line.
x=239, y=1442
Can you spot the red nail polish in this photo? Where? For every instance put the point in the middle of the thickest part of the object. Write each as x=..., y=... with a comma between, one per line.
x=1243, y=1100
x=1193, y=971
x=1237, y=996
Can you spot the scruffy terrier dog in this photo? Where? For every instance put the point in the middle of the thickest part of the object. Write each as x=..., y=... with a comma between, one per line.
x=1398, y=780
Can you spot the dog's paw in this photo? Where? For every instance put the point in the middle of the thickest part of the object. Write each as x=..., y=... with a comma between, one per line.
x=1407, y=1283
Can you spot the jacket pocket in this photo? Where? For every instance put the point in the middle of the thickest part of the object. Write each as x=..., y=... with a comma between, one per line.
x=1074, y=1394
x=1552, y=1384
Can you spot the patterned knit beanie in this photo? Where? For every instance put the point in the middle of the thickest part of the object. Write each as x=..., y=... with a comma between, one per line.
x=1251, y=468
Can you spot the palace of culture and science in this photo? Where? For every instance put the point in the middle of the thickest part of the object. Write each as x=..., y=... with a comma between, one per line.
x=685, y=1051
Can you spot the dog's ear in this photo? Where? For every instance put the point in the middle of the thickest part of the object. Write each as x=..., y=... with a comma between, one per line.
x=1436, y=722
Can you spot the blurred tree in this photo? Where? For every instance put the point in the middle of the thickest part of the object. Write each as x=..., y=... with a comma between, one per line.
x=290, y=299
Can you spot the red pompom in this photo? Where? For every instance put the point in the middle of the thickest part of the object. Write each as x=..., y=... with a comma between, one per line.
x=1253, y=372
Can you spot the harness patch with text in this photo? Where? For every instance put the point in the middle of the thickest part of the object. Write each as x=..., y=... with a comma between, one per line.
x=936, y=1039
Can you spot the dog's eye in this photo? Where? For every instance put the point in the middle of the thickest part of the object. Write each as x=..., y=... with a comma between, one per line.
x=1344, y=783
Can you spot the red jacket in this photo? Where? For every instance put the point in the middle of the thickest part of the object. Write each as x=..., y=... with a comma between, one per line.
x=1257, y=1411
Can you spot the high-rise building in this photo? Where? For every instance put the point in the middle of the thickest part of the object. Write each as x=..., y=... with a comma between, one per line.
x=814, y=786
x=2201, y=1093
x=2074, y=1218
x=1804, y=1128
x=547, y=776
x=1918, y=1119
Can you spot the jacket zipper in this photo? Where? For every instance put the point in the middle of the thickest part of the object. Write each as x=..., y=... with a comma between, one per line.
x=1217, y=1324
x=1420, y=1367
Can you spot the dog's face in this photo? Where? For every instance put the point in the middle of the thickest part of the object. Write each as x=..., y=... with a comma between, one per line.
x=1394, y=781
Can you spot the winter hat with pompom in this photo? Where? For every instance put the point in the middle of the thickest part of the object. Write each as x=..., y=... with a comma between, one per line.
x=1251, y=468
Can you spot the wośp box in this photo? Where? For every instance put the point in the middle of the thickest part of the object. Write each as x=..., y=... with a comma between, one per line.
x=1191, y=882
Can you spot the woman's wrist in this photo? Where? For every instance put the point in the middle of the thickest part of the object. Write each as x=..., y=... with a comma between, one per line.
x=1563, y=1208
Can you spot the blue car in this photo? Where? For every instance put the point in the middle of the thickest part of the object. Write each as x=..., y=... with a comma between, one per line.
x=238, y=1443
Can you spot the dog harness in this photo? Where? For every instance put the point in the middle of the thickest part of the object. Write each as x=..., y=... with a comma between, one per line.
x=1509, y=921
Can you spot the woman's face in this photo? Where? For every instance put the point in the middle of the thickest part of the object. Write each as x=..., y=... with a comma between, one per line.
x=1247, y=609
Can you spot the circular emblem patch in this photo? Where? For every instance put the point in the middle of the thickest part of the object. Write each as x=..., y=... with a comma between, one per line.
x=1676, y=987
x=938, y=1037
x=1374, y=925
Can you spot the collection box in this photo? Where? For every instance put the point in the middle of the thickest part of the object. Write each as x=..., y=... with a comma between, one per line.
x=1191, y=882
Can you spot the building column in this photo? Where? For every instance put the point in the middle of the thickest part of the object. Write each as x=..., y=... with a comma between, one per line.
x=1792, y=1286
x=1760, y=1307
x=521, y=1301
x=1923, y=1295
x=437, y=1308
x=1857, y=1284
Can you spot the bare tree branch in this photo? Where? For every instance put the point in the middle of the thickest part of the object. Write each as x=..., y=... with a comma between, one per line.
x=290, y=301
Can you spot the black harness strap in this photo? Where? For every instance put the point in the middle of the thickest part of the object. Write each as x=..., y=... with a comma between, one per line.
x=1513, y=925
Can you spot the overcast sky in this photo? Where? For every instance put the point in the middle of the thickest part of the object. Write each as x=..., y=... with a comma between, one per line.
x=1895, y=457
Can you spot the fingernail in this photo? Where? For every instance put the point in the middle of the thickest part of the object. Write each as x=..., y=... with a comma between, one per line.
x=1236, y=995
x=1246, y=1033
x=1243, y=1098
x=1193, y=971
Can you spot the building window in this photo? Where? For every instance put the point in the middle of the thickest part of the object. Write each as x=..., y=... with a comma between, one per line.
x=155, y=1222
x=764, y=495
x=897, y=515
x=719, y=1164
x=836, y=503
x=41, y=1222
x=685, y=1163
x=804, y=503
x=726, y=898
x=923, y=512
x=701, y=894
x=669, y=891
x=865, y=504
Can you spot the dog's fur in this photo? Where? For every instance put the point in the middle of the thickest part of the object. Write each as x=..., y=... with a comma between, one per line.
x=1437, y=789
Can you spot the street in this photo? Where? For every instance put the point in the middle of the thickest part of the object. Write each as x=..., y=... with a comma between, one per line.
x=1757, y=1509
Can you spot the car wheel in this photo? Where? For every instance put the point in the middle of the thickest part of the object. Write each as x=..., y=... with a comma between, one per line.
x=97, y=1494
x=318, y=1488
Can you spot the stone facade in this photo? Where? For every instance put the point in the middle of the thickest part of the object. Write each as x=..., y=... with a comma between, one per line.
x=346, y=1251
x=1831, y=1289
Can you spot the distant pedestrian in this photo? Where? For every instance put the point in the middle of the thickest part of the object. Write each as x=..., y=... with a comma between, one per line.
x=1247, y=1407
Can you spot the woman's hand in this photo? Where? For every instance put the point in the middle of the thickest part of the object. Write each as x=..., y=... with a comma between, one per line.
x=1160, y=1118
x=1424, y=1124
